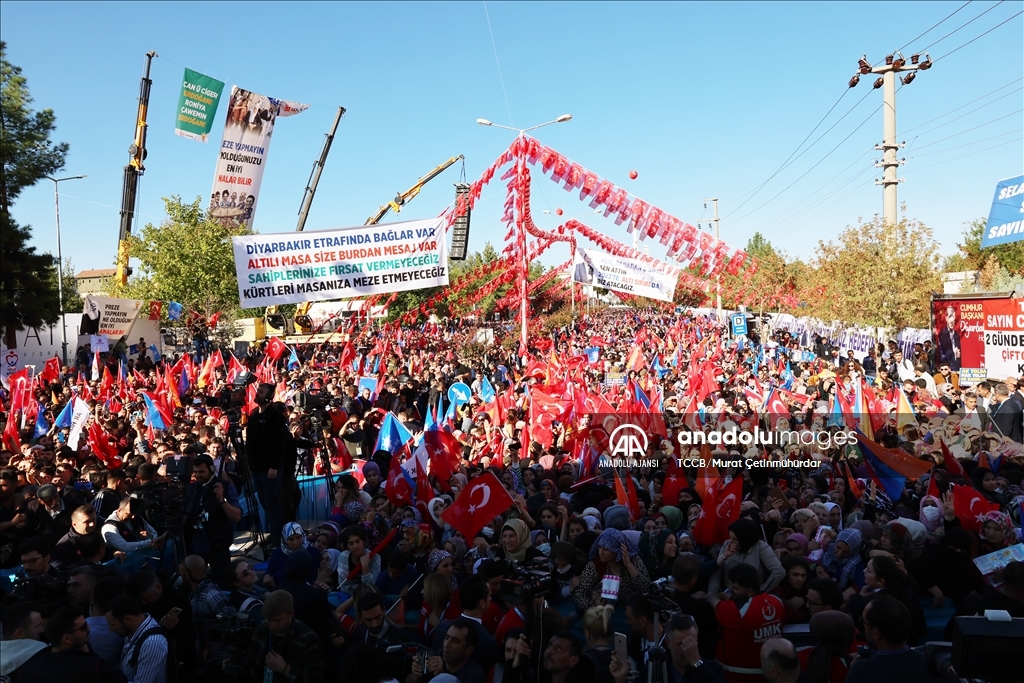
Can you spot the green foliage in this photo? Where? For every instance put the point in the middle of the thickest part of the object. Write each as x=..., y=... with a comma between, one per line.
x=878, y=274
x=188, y=258
x=28, y=283
x=28, y=287
x=28, y=155
x=73, y=302
x=970, y=255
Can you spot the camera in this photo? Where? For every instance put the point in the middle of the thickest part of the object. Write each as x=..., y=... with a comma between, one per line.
x=234, y=634
x=528, y=581
x=411, y=650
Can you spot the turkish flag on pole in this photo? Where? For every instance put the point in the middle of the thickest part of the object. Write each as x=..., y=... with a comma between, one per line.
x=675, y=481
x=275, y=348
x=477, y=504
x=970, y=507
x=705, y=529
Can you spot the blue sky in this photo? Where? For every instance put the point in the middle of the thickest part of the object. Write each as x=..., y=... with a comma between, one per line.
x=703, y=100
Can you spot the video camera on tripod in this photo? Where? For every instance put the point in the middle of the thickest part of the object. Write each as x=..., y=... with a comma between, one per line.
x=528, y=580
x=234, y=634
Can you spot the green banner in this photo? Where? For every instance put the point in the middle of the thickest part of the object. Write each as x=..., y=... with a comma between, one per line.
x=197, y=105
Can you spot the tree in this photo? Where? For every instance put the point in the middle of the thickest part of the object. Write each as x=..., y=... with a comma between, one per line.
x=970, y=255
x=28, y=292
x=878, y=275
x=188, y=259
x=73, y=302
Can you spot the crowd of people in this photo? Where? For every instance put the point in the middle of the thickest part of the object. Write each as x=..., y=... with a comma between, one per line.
x=124, y=565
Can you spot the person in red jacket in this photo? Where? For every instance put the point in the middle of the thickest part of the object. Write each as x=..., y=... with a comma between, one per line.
x=747, y=618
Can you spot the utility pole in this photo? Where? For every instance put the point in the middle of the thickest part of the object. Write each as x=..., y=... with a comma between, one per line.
x=718, y=238
x=318, y=168
x=894, y=63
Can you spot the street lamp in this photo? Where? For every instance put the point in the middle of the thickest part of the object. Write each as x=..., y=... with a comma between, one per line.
x=521, y=228
x=561, y=119
x=60, y=267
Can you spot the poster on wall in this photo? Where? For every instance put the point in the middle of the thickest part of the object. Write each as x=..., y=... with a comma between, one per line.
x=248, y=129
x=980, y=334
x=621, y=274
x=339, y=264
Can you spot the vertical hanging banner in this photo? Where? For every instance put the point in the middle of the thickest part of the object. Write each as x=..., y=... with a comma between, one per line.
x=243, y=154
x=1005, y=222
x=197, y=105
x=339, y=264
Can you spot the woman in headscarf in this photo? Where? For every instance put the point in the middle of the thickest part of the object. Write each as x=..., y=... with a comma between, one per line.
x=293, y=539
x=835, y=516
x=371, y=474
x=456, y=546
x=658, y=551
x=541, y=539
x=616, y=517
x=829, y=661
x=567, y=568
x=746, y=546
x=843, y=562
x=515, y=542
x=984, y=482
x=930, y=514
x=417, y=541
x=796, y=545
x=612, y=557
x=441, y=562
x=793, y=589
x=327, y=576
x=673, y=517
x=996, y=532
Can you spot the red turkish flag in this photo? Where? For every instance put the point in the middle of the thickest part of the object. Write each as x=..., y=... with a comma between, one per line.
x=727, y=508
x=275, y=348
x=51, y=370
x=953, y=465
x=154, y=309
x=704, y=532
x=477, y=504
x=675, y=481
x=970, y=507
x=398, y=489
x=544, y=409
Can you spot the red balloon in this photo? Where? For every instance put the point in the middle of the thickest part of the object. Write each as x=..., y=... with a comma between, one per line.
x=633, y=175
x=558, y=212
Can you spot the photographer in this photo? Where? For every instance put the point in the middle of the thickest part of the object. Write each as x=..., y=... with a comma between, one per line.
x=887, y=625
x=266, y=439
x=211, y=509
x=126, y=531
x=284, y=649
x=37, y=581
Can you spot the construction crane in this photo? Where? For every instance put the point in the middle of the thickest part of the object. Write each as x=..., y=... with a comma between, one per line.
x=403, y=197
x=132, y=172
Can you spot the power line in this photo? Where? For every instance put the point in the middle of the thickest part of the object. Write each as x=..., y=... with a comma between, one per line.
x=967, y=144
x=936, y=25
x=964, y=131
x=500, y=77
x=983, y=34
x=962, y=106
x=824, y=198
x=786, y=162
x=962, y=26
x=812, y=167
x=962, y=116
x=958, y=158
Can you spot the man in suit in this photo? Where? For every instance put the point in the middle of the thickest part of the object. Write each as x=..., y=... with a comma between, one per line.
x=1006, y=414
x=949, y=340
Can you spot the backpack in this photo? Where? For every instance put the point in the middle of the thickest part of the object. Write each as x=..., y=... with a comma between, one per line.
x=171, y=663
